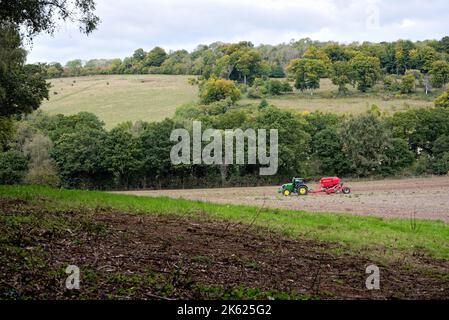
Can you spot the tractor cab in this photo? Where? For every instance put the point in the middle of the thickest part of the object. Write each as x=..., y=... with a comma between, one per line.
x=298, y=182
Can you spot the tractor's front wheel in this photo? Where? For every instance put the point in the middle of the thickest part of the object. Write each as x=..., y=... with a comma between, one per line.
x=346, y=190
x=303, y=191
x=286, y=192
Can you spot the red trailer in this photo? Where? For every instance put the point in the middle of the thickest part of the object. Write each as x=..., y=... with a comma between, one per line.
x=331, y=185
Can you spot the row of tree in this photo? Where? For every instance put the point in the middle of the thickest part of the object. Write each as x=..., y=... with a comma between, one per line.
x=76, y=151
x=242, y=60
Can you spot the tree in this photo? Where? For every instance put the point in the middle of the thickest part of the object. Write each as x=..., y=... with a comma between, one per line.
x=328, y=147
x=139, y=55
x=58, y=125
x=36, y=16
x=420, y=127
x=443, y=44
x=74, y=67
x=22, y=87
x=307, y=73
x=155, y=57
x=214, y=90
x=115, y=65
x=80, y=158
x=294, y=141
x=402, y=55
x=439, y=73
x=42, y=169
x=341, y=75
x=6, y=131
x=408, y=83
x=239, y=61
x=423, y=57
x=366, y=71
x=54, y=70
x=366, y=144
x=443, y=100
x=123, y=156
x=440, y=150
x=337, y=52
x=156, y=147
x=315, y=53
x=13, y=167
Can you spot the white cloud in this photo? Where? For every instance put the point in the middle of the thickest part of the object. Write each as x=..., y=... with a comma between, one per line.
x=176, y=24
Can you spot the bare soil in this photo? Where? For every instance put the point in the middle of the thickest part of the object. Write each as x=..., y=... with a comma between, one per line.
x=124, y=256
x=424, y=198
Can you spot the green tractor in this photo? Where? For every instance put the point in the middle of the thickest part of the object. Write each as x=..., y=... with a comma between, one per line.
x=297, y=186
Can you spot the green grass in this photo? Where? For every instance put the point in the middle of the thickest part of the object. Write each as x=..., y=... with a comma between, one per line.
x=388, y=237
x=115, y=99
x=118, y=98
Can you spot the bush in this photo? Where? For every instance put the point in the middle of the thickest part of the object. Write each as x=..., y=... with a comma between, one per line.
x=13, y=167
x=214, y=90
x=441, y=164
x=286, y=86
x=275, y=87
x=391, y=83
x=443, y=100
x=408, y=83
x=254, y=93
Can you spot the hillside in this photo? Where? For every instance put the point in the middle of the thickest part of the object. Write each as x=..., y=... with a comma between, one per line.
x=119, y=98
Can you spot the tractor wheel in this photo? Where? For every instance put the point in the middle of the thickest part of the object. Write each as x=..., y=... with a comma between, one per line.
x=286, y=192
x=346, y=190
x=303, y=191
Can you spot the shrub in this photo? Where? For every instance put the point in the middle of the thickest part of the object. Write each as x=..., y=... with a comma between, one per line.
x=391, y=83
x=408, y=83
x=275, y=87
x=443, y=100
x=441, y=164
x=214, y=90
x=286, y=86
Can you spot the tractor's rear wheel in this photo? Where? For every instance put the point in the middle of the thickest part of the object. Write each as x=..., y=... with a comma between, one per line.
x=303, y=191
x=346, y=190
x=286, y=192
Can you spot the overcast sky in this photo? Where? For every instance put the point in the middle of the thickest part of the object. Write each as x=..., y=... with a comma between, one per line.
x=183, y=24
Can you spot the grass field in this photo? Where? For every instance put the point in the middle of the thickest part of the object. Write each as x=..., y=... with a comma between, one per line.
x=356, y=232
x=115, y=99
x=130, y=247
x=119, y=98
x=326, y=99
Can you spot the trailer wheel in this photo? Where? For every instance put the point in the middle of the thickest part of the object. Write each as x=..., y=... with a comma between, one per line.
x=286, y=192
x=303, y=191
x=346, y=190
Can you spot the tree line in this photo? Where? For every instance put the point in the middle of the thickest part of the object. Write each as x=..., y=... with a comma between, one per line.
x=395, y=57
x=77, y=152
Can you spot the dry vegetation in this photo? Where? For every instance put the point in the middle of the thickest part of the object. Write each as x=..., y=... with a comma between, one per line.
x=118, y=98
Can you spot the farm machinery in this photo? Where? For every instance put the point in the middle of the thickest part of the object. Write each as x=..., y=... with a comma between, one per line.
x=327, y=185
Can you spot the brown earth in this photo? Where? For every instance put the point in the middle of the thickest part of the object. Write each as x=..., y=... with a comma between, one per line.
x=426, y=198
x=124, y=256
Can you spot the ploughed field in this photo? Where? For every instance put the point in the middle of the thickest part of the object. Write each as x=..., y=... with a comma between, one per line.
x=410, y=198
x=171, y=256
